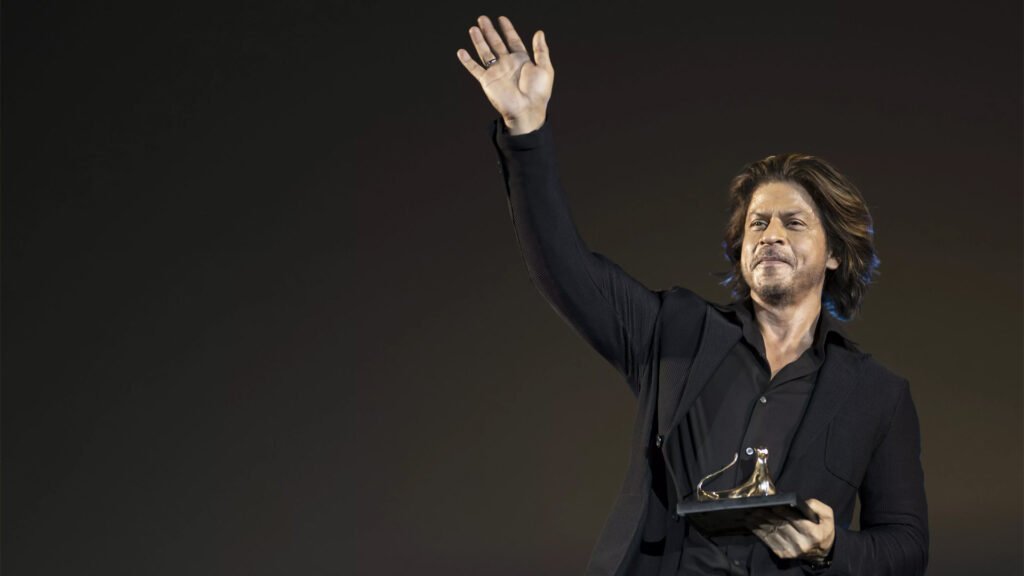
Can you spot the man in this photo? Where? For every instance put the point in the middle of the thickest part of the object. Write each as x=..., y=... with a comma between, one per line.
x=771, y=369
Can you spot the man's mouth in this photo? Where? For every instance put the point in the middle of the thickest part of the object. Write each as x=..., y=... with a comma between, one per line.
x=771, y=259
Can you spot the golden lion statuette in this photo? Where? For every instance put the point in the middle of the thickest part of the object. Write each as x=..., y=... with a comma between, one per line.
x=759, y=484
x=727, y=512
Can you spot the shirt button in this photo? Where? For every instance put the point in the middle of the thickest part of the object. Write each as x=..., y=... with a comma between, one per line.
x=750, y=451
x=764, y=400
x=737, y=562
x=675, y=517
x=658, y=441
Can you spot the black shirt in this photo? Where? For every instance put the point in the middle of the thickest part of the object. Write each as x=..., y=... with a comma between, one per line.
x=741, y=408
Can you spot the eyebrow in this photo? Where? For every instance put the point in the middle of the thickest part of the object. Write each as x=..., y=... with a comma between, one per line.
x=789, y=214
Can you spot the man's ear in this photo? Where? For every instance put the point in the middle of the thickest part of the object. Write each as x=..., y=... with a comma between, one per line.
x=832, y=263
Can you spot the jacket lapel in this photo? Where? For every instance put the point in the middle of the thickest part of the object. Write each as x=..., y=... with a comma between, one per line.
x=681, y=379
x=718, y=338
x=682, y=376
x=836, y=380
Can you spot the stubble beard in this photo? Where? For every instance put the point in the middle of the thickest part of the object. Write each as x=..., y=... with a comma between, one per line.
x=777, y=292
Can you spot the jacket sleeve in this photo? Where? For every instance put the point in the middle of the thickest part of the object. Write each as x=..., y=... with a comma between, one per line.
x=893, y=537
x=611, y=310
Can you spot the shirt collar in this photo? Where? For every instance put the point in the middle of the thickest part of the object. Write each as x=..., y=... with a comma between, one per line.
x=826, y=327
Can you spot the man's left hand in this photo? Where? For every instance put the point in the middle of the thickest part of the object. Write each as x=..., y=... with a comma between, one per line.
x=790, y=535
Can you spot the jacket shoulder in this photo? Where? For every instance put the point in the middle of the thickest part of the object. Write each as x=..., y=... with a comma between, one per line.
x=875, y=371
x=881, y=389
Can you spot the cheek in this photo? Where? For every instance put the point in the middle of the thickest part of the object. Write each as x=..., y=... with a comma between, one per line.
x=744, y=257
x=747, y=250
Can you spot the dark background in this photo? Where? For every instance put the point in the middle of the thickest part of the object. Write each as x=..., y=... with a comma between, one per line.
x=264, y=312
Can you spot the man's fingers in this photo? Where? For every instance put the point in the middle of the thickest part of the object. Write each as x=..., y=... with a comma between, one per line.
x=797, y=541
x=475, y=69
x=805, y=527
x=787, y=516
x=482, y=48
x=769, y=534
x=492, y=37
x=514, y=41
x=797, y=520
x=789, y=535
x=784, y=540
x=823, y=510
x=825, y=517
x=541, y=55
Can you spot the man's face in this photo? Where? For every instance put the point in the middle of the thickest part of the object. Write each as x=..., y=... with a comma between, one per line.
x=784, y=255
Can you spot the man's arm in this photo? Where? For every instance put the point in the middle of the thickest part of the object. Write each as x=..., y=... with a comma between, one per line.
x=893, y=538
x=611, y=310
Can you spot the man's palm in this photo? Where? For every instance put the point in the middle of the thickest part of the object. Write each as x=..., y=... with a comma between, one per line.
x=514, y=83
x=516, y=86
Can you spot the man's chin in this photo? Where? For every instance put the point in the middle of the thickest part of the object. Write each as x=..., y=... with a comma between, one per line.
x=774, y=294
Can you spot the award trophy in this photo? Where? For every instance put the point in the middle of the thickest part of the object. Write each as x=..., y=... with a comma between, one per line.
x=725, y=512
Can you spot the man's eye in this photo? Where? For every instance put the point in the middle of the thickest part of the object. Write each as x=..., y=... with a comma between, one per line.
x=757, y=223
x=796, y=223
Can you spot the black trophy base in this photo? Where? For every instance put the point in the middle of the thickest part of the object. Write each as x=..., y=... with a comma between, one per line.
x=728, y=516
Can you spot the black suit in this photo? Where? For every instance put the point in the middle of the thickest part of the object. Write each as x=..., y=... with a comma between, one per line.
x=859, y=433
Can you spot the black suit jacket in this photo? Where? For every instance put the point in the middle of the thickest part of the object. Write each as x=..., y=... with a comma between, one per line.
x=859, y=435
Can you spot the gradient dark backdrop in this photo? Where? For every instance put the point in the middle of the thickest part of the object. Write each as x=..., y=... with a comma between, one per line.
x=264, y=312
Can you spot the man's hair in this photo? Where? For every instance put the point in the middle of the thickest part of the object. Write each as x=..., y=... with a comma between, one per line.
x=848, y=228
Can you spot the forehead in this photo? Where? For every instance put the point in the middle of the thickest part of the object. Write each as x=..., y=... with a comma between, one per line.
x=776, y=197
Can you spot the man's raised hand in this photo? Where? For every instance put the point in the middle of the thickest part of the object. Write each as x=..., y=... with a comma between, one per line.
x=518, y=88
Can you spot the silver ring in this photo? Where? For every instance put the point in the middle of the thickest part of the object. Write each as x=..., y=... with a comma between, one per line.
x=489, y=62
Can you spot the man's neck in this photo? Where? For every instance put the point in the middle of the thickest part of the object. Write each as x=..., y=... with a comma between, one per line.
x=787, y=330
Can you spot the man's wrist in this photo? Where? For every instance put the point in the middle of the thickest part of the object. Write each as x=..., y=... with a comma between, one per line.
x=818, y=561
x=524, y=125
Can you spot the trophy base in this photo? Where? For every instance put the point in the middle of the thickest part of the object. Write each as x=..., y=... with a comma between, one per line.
x=728, y=516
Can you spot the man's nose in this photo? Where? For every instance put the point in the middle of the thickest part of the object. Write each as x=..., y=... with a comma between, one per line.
x=774, y=233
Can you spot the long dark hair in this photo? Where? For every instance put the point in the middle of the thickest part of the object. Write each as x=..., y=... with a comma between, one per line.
x=848, y=227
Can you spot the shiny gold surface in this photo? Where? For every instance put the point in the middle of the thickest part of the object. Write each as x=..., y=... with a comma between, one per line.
x=759, y=484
